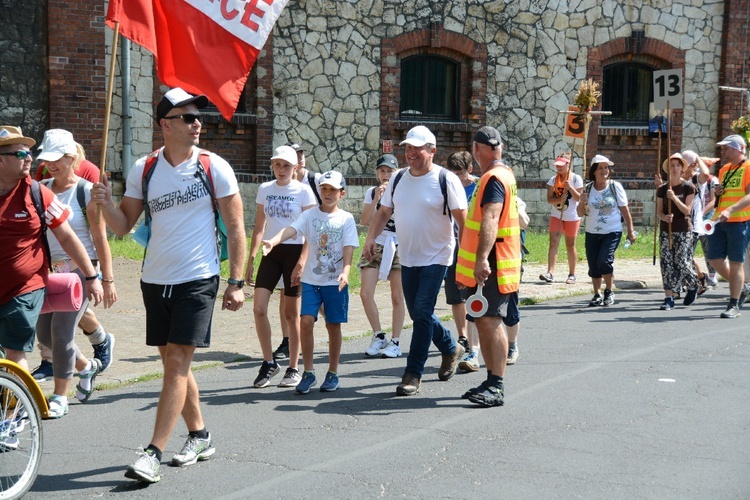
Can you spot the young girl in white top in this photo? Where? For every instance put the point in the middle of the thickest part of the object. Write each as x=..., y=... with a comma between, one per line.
x=279, y=203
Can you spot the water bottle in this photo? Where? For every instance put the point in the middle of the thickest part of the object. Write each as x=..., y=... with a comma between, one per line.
x=627, y=241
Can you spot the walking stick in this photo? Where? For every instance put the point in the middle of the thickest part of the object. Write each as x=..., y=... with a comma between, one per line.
x=110, y=89
x=669, y=181
x=658, y=166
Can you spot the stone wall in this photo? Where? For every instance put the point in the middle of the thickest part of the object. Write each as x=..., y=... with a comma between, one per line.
x=24, y=94
x=327, y=58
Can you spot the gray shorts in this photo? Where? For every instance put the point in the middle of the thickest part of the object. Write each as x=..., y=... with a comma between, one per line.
x=18, y=319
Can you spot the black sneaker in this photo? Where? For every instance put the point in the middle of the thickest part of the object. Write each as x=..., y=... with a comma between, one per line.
x=668, y=304
x=690, y=296
x=282, y=352
x=103, y=351
x=265, y=374
x=743, y=295
x=43, y=371
x=465, y=343
x=609, y=298
x=596, y=300
x=489, y=397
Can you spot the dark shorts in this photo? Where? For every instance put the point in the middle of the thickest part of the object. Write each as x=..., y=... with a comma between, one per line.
x=514, y=313
x=453, y=294
x=18, y=319
x=277, y=264
x=180, y=314
x=335, y=303
x=728, y=241
x=498, y=303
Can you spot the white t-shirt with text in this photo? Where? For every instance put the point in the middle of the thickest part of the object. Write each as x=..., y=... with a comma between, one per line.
x=182, y=247
x=283, y=205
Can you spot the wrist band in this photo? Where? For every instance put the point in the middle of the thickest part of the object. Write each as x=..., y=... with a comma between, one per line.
x=105, y=280
x=91, y=278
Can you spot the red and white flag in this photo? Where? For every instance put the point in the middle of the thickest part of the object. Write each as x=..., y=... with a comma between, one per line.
x=204, y=46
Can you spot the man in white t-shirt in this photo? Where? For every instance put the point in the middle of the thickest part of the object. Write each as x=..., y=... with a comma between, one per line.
x=180, y=279
x=424, y=227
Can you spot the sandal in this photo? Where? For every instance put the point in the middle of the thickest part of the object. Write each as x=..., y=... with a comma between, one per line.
x=547, y=277
x=571, y=279
x=83, y=395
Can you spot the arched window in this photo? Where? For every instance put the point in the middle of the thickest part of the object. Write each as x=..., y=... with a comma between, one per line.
x=430, y=89
x=627, y=92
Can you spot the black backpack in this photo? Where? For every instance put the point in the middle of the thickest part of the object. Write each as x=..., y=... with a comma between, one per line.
x=36, y=198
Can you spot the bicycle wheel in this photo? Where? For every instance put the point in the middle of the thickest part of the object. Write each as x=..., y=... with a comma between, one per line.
x=20, y=437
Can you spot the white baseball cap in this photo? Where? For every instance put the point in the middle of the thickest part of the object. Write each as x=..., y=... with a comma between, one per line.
x=286, y=153
x=734, y=141
x=332, y=178
x=56, y=144
x=419, y=136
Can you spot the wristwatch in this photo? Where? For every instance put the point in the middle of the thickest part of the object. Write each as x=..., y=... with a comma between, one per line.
x=238, y=283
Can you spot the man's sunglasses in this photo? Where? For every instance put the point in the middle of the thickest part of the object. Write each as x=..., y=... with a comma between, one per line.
x=188, y=118
x=21, y=155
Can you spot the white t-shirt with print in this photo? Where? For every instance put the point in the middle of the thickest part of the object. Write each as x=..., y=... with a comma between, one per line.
x=390, y=226
x=183, y=239
x=570, y=213
x=326, y=235
x=77, y=221
x=425, y=235
x=283, y=205
x=604, y=213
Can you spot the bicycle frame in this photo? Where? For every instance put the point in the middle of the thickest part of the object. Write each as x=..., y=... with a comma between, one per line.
x=31, y=384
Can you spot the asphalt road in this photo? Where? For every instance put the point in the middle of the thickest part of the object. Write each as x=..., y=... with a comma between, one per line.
x=620, y=402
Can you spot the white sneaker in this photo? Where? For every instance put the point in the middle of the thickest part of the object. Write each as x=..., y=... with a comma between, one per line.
x=513, y=355
x=470, y=362
x=393, y=350
x=378, y=343
x=291, y=378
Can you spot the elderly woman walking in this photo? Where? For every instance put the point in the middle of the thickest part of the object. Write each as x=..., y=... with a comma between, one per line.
x=605, y=204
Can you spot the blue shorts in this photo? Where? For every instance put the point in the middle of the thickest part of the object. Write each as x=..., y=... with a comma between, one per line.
x=336, y=303
x=728, y=241
x=18, y=319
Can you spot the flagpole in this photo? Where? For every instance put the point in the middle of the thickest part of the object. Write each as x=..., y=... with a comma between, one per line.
x=107, y=110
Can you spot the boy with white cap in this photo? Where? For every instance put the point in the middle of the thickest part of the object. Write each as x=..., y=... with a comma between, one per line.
x=331, y=235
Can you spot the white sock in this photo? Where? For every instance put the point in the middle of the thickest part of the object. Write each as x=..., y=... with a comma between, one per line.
x=98, y=336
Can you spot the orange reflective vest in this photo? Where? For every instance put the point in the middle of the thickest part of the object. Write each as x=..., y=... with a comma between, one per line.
x=507, y=242
x=735, y=181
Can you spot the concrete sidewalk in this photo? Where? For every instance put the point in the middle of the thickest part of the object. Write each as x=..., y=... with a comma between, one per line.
x=234, y=336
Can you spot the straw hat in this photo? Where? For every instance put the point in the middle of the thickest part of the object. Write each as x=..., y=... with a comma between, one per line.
x=676, y=156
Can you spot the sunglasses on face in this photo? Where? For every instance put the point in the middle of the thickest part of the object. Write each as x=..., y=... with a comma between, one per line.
x=21, y=155
x=188, y=118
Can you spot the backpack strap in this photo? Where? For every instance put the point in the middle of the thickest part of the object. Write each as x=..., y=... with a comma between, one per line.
x=36, y=198
x=203, y=172
x=311, y=181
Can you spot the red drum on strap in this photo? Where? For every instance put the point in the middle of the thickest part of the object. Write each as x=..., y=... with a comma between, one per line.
x=64, y=293
x=477, y=305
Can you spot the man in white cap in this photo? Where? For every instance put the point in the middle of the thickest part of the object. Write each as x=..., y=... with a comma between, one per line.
x=730, y=238
x=180, y=279
x=425, y=234
x=24, y=253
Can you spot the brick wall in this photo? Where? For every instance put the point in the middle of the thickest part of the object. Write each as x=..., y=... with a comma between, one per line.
x=451, y=137
x=77, y=69
x=734, y=65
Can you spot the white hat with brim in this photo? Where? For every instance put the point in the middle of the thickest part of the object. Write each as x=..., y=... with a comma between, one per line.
x=734, y=141
x=12, y=135
x=419, y=136
x=56, y=144
x=333, y=179
x=285, y=153
x=601, y=159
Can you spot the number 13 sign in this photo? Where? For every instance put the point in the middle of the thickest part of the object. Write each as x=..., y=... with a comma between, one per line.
x=668, y=89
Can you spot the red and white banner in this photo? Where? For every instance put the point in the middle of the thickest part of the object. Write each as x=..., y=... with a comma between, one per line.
x=204, y=46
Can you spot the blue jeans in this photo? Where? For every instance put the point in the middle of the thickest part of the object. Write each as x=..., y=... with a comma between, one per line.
x=421, y=288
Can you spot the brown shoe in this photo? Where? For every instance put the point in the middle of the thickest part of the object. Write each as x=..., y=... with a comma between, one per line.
x=450, y=362
x=409, y=385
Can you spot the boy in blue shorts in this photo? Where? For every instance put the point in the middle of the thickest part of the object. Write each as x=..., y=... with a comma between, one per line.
x=331, y=235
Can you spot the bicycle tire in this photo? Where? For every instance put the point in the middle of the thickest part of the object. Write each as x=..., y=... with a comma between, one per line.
x=20, y=438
